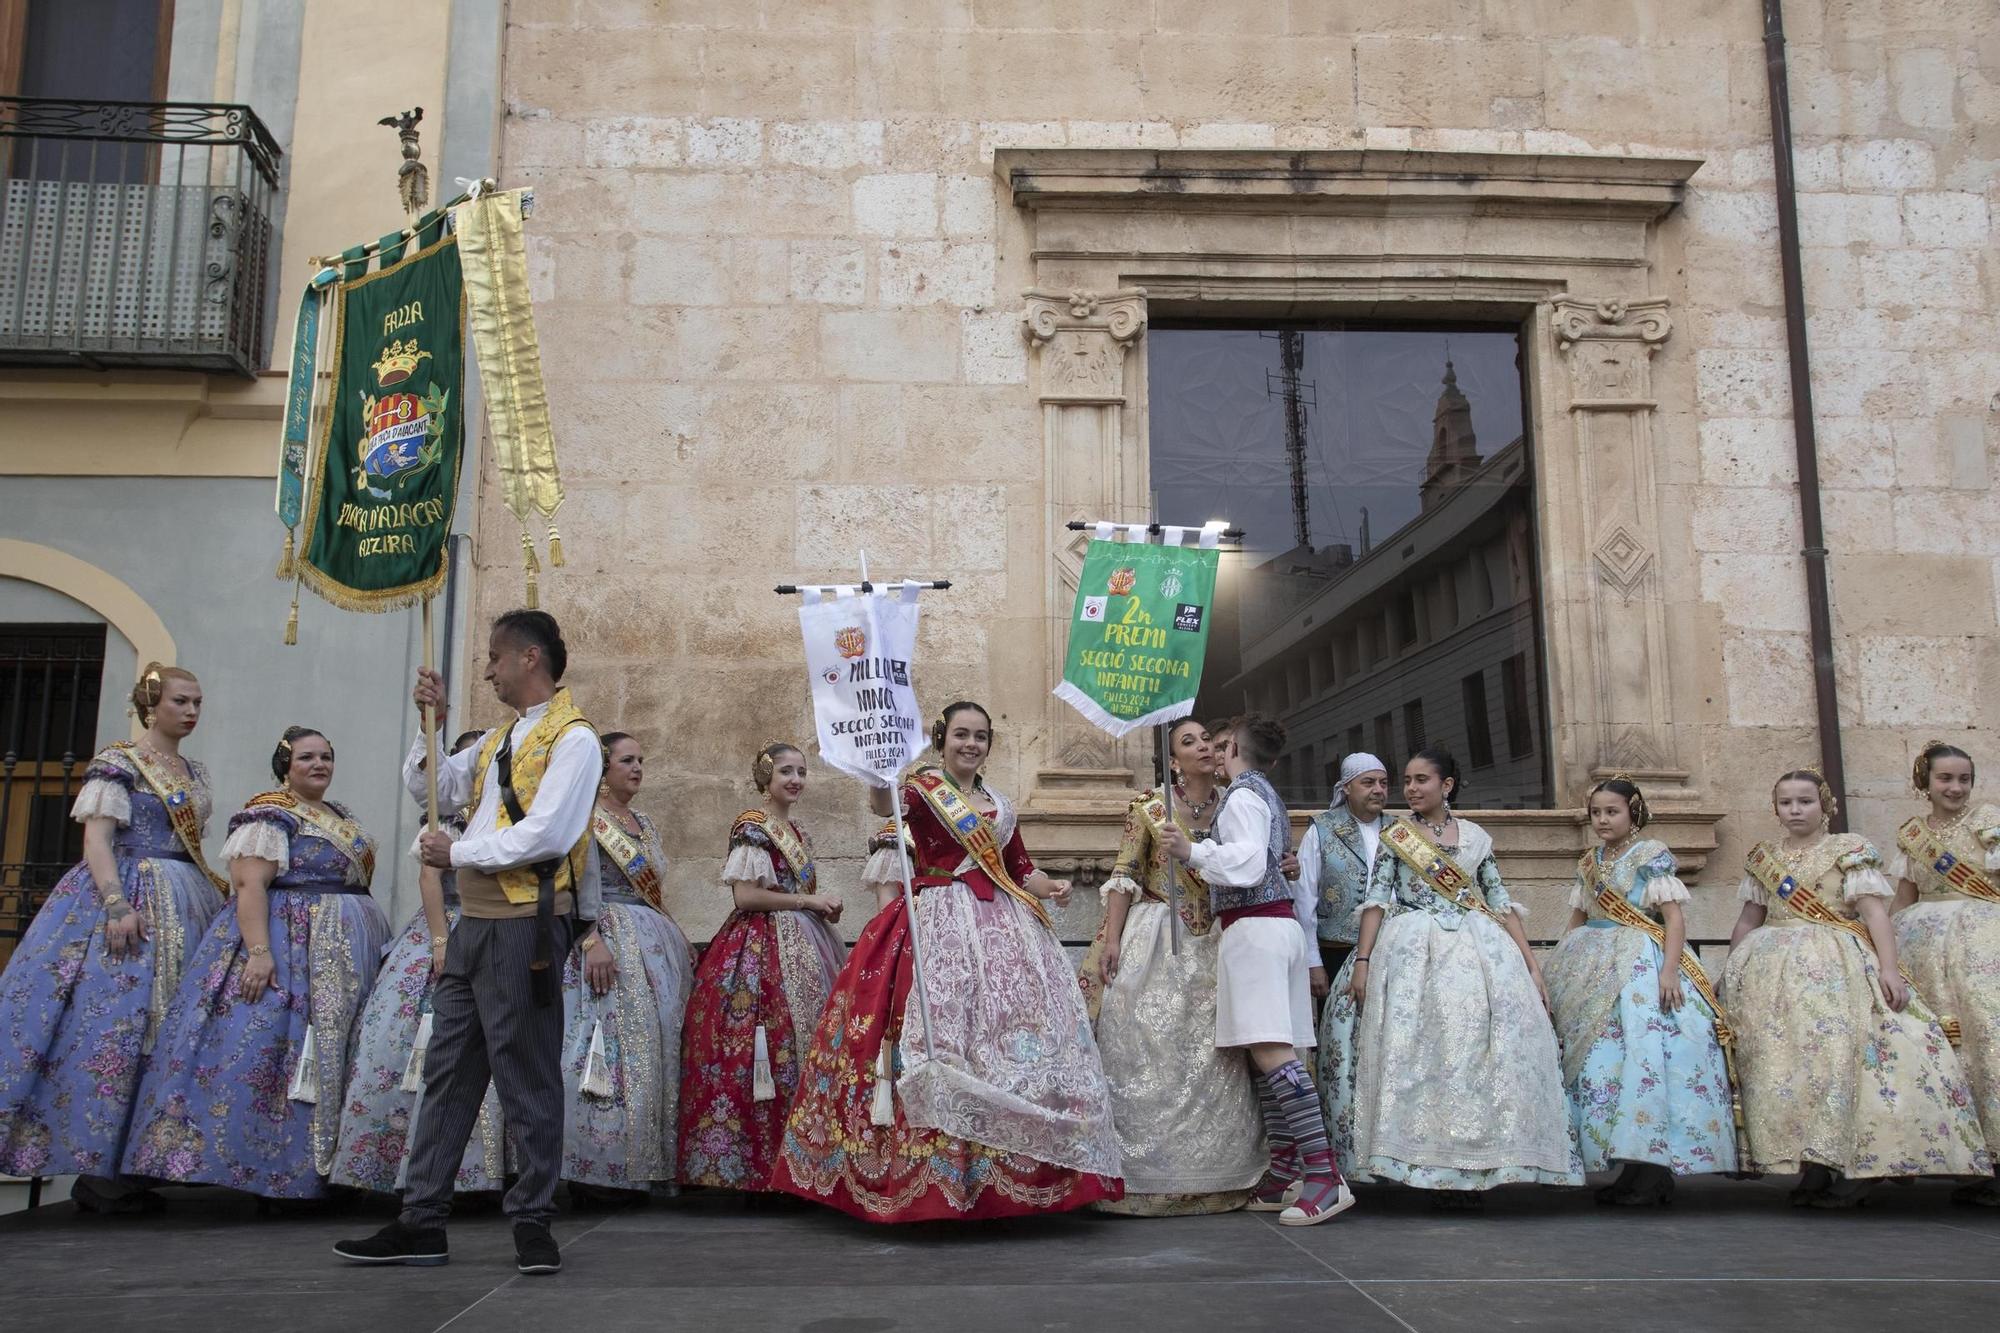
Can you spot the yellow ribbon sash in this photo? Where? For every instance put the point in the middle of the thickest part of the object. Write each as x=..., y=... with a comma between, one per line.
x=1768, y=869
x=629, y=854
x=182, y=808
x=1922, y=845
x=345, y=835
x=1155, y=811
x=1434, y=866
x=974, y=832
x=786, y=839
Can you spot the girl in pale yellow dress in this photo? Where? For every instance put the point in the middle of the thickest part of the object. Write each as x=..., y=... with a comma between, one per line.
x=1845, y=1072
x=1948, y=925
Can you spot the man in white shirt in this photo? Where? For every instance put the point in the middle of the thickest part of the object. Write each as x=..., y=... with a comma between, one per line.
x=1263, y=964
x=528, y=882
x=1337, y=857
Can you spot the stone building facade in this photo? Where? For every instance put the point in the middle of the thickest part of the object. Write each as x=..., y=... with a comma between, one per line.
x=815, y=277
x=822, y=277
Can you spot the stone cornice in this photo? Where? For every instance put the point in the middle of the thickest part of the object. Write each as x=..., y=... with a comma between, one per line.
x=1344, y=180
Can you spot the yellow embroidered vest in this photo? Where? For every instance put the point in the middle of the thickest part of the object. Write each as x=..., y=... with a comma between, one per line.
x=531, y=761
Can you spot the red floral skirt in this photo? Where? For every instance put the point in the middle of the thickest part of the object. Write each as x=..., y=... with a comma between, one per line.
x=727, y=1137
x=834, y=1153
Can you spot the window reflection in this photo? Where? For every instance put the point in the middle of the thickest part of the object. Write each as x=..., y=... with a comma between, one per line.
x=1385, y=596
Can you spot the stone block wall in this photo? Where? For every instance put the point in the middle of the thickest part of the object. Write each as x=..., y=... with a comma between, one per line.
x=779, y=290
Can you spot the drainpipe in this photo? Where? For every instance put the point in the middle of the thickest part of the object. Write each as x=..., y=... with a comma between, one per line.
x=1818, y=601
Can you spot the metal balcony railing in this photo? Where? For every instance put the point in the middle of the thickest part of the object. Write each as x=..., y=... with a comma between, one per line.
x=134, y=234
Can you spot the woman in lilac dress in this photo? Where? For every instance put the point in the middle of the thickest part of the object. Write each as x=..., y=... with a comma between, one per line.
x=245, y=1084
x=82, y=998
x=623, y=1007
x=385, y=1087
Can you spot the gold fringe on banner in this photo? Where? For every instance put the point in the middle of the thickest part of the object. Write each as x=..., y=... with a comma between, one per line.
x=500, y=315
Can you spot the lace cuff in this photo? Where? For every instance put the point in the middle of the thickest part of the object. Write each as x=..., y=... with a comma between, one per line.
x=1517, y=907
x=1580, y=898
x=102, y=798
x=1865, y=881
x=1665, y=889
x=884, y=866
x=260, y=838
x=1124, y=884
x=1750, y=891
x=749, y=864
x=1899, y=867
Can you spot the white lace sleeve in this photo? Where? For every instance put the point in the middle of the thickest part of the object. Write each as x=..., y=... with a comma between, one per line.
x=749, y=864
x=1865, y=882
x=1579, y=898
x=1666, y=889
x=884, y=866
x=102, y=798
x=1899, y=867
x=1124, y=884
x=260, y=838
x=1750, y=891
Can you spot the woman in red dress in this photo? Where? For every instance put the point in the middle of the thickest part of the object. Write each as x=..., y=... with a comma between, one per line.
x=1003, y=1108
x=759, y=989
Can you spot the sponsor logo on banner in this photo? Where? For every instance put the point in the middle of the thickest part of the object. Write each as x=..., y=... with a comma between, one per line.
x=851, y=641
x=1093, y=608
x=1122, y=581
x=1188, y=618
x=1171, y=585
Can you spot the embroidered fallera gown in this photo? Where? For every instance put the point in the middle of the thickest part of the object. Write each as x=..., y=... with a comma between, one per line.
x=760, y=986
x=225, y=1100
x=1831, y=1074
x=74, y=1025
x=385, y=1087
x=1189, y=1129
x=1455, y=1082
x=622, y=1049
x=1012, y=1115
x=1644, y=1085
x=1949, y=945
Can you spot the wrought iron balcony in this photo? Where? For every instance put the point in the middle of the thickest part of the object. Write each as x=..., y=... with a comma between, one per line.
x=134, y=235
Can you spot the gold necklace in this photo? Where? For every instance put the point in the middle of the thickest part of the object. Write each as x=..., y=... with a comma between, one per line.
x=1949, y=829
x=1624, y=845
x=1796, y=857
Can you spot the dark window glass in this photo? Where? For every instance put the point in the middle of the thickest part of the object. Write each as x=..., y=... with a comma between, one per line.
x=1383, y=477
x=1478, y=728
x=50, y=680
x=1517, y=700
x=91, y=51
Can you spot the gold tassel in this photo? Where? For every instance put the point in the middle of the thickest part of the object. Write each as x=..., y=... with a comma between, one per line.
x=286, y=569
x=292, y=623
x=555, y=548
x=528, y=559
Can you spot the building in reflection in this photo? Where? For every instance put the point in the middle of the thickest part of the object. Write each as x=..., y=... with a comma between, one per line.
x=1421, y=636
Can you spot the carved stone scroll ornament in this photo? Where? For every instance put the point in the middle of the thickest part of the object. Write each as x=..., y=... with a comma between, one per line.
x=1083, y=338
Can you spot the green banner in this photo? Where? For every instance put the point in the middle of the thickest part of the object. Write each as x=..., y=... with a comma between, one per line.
x=1138, y=633
x=384, y=478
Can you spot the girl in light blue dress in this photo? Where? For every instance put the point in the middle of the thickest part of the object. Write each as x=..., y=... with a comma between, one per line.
x=1647, y=1080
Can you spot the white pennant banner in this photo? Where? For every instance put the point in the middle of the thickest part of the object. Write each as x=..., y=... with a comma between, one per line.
x=859, y=650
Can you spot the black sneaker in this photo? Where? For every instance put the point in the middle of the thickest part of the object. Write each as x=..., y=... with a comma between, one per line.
x=535, y=1252
x=422, y=1247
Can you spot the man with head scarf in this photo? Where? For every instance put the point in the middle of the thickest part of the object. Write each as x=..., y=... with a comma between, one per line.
x=1336, y=860
x=1338, y=852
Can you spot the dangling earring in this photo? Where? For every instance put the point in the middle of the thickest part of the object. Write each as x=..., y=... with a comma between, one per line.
x=1447, y=809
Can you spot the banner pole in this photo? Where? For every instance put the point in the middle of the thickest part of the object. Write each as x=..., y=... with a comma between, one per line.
x=1173, y=864
x=430, y=720
x=910, y=915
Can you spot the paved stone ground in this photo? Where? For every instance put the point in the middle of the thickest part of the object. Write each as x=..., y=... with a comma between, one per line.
x=1727, y=1256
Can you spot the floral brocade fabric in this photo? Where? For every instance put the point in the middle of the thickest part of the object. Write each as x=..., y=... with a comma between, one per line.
x=763, y=970
x=75, y=1025
x=1950, y=946
x=1830, y=1073
x=1644, y=1085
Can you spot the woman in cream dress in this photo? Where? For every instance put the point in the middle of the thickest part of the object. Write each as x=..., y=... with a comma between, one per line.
x=1457, y=1085
x=1186, y=1113
x=1948, y=926
x=1846, y=1075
